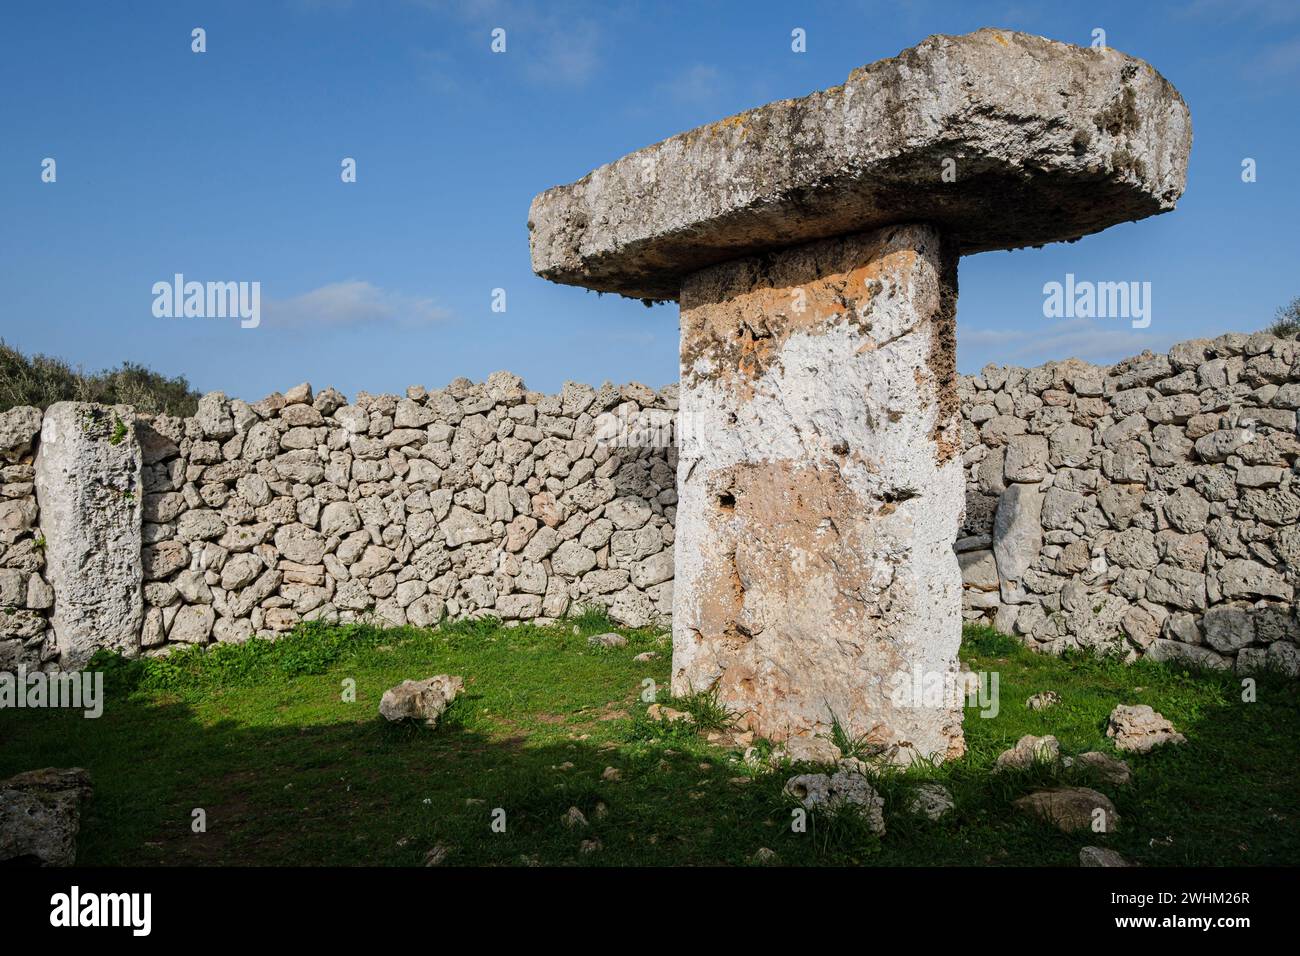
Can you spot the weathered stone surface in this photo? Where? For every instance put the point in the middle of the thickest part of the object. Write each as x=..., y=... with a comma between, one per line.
x=1044, y=700
x=88, y=483
x=1101, y=856
x=424, y=700
x=1140, y=729
x=1051, y=141
x=1105, y=767
x=19, y=427
x=820, y=488
x=932, y=800
x=40, y=816
x=1017, y=532
x=1029, y=750
x=1072, y=808
x=842, y=789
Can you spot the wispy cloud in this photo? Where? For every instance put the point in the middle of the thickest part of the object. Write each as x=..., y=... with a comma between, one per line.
x=353, y=302
x=700, y=83
x=556, y=43
x=1060, y=339
x=1281, y=59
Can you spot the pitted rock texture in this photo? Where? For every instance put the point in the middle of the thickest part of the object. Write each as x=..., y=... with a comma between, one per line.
x=40, y=816
x=1048, y=142
x=424, y=700
x=1028, y=751
x=88, y=483
x=1071, y=809
x=820, y=489
x=845, y=789
x=1139, y=729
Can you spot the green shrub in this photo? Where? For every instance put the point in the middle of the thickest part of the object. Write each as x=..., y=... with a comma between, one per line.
x=1287, y=323
x=42, y=380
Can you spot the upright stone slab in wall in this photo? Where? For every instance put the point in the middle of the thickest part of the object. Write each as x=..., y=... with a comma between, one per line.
x=89, y=490
x=820, y=488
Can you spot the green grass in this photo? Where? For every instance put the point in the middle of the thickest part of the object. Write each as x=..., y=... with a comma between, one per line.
x=288, y=772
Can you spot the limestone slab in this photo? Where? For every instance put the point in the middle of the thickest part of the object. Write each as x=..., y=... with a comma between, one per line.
x=1047, y=142
x=88, y=470
x=820, y=489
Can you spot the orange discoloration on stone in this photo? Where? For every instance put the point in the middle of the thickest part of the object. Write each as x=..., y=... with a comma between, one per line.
x=736, y=322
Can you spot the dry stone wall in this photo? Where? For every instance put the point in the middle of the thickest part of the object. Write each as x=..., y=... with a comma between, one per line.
x=1152, y=506
x=474, y=499
x=26, y=598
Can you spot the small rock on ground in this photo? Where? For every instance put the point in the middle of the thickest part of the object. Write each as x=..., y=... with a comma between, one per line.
x=425, y=700
x=574, y=818
x=1028, y=751
x=660, y=712
x=1044, y=700
x=1139, y=729
x=1106, y=767
x=607, y=640
x=844, y=788
x=932, y=800
x=437, y=855
x=1101, y=856
x=1071, y=808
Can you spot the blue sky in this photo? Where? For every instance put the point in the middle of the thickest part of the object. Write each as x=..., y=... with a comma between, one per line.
x=225, y=166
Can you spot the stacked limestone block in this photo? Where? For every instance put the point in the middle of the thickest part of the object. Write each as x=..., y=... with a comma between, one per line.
x=473, y=499
x=1151, y=506
x=26, y=598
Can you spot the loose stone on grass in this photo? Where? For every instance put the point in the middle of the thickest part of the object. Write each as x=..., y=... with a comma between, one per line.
x=1140, y=729
x=425, y=700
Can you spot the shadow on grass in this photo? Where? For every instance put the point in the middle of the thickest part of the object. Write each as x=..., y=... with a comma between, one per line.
x=341, y=787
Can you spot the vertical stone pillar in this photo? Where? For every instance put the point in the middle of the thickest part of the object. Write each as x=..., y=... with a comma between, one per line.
x=88, y=486
x=820, y=489
x=820, y=477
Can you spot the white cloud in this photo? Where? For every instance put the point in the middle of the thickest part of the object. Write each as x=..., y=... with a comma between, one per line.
x=353, y=302
x=1061, y=339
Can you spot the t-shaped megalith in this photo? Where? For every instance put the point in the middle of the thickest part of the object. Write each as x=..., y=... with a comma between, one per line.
x=812, y=245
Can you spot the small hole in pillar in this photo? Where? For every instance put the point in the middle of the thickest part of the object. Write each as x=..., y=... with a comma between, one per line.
x=727, y=501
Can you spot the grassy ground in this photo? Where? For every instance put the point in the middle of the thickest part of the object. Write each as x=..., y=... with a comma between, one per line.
x=288, y=772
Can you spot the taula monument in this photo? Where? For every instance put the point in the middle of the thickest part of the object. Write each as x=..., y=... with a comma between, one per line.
x=812, y=245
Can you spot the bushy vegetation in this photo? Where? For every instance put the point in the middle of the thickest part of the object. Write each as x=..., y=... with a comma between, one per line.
x=42, y=380
x=1286, y=324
